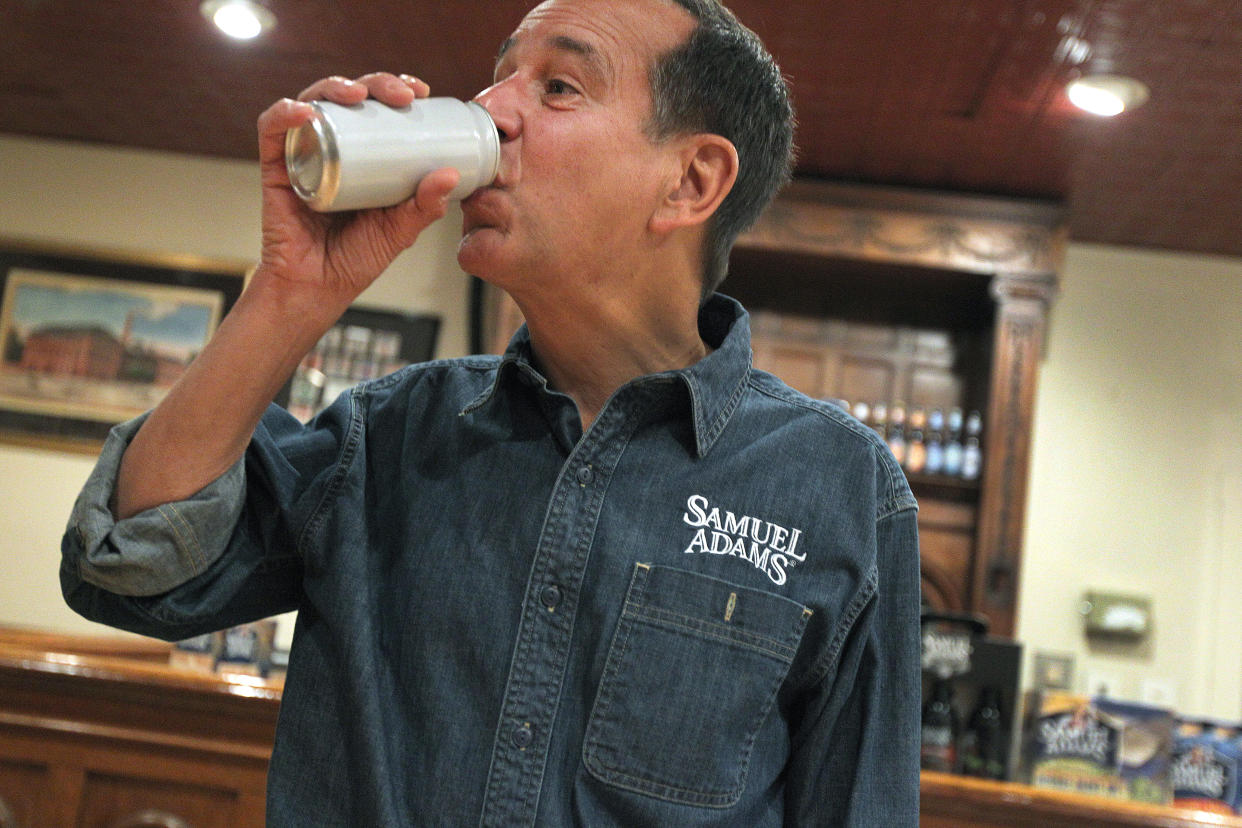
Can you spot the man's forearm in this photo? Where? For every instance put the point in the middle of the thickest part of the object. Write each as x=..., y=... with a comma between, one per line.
x=204, y=424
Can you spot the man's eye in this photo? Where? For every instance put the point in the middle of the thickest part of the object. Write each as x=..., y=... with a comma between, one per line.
x=560, y=87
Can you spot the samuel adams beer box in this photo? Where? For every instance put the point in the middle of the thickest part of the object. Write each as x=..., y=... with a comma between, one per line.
x=1100, y=747
x=1207, y=757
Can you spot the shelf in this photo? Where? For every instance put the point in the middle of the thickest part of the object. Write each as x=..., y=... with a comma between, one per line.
x=943, y=487
x=949, y=801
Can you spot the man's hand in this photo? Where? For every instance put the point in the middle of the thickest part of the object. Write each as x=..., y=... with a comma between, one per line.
x=337, y=255
x=311, y=267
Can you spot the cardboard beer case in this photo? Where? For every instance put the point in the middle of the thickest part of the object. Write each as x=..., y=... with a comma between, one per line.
x=1099, y=746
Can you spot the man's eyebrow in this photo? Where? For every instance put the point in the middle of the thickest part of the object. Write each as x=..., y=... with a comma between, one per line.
x=593, y=58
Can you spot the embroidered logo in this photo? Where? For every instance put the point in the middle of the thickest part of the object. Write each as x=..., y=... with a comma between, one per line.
x=768, y=547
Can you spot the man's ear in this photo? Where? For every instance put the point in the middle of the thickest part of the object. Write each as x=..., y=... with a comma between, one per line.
x=707, y=170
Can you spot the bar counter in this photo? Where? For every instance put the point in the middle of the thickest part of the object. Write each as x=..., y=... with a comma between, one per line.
x=949, y=801
x=101, y=731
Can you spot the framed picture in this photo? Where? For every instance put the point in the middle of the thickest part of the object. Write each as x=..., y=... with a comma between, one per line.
x=364, y=344
x=91, y=338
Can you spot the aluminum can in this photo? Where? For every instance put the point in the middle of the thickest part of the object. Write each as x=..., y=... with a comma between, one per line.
x=373, y=155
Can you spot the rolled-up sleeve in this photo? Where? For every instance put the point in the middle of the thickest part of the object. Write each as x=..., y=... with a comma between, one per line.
x=158, y=549
x=226, y=555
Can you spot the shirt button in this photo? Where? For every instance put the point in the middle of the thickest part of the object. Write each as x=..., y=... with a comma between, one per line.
x=585, y=476
x=551, y=596
x=523, y=735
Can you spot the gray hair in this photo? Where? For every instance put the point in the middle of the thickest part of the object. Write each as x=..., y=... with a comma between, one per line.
x=723, y=81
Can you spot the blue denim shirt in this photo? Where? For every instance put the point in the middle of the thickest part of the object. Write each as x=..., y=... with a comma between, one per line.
x=702, y=611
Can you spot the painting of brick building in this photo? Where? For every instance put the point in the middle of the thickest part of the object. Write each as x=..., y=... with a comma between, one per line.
x=93, y=348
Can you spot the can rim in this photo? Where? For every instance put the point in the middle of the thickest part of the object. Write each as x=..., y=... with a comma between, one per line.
x=321, y=196
x=493, y=140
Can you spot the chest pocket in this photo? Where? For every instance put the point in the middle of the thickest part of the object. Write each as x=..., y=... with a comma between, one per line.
x=692, y=672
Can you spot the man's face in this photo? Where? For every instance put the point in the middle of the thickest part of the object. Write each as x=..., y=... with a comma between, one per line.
x=578, y=176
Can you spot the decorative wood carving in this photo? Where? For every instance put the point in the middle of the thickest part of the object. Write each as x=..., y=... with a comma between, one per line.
x=952, y=232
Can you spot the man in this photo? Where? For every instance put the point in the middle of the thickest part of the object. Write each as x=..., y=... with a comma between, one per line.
x=615, y=577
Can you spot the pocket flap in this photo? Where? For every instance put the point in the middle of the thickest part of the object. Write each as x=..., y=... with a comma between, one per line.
x=677, y=599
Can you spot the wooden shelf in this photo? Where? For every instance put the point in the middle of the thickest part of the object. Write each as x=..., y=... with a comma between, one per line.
x=944, y=487
x=949, y=801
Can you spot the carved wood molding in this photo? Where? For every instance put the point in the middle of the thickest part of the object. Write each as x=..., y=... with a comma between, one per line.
x=1022, y=309
x=954, y=232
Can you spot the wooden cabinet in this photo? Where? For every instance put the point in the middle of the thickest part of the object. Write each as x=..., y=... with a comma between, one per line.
x=113, y=741
x=936, y=300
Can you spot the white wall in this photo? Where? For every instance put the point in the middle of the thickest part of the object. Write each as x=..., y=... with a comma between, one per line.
x=1136, y=477
x=149, y=202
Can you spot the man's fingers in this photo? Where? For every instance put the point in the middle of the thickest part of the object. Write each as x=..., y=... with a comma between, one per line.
x=405, y=221
x=421, y=88
x=336, y=89
x=275, y=121
x=391, y=89
x=394, y=90
x=435, y=188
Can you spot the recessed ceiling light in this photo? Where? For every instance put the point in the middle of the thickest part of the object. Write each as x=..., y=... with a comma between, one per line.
x=1106, y=95
x=239, y=19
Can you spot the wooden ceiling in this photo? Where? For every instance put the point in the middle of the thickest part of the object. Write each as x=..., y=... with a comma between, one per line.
x=957, y=95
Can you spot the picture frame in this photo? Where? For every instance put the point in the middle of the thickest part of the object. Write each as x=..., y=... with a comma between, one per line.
x=90, y=337
x=365, y=343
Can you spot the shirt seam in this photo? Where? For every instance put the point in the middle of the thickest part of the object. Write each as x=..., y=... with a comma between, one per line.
x=340, y=471
x=853, y=611
x=898, y=497
x=187, y=541
x=717, y=426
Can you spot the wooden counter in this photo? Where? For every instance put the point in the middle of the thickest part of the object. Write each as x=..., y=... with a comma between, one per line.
x=959, y=802
x=102, y=733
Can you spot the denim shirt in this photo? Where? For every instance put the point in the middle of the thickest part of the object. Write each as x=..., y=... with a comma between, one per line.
x=702, y=611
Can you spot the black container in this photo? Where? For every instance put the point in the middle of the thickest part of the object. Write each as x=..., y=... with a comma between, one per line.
x=982, y=673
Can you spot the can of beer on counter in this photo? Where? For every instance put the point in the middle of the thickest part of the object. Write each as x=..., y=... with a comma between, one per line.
x=373, y=155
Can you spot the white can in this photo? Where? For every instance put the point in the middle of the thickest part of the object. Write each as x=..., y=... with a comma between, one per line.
x=373, y=155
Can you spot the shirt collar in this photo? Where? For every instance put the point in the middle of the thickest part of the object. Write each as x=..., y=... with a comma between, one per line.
x=715, y=384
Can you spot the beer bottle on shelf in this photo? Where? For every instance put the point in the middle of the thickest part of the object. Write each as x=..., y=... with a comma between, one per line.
x=953, y=443
x=879, y=418
x=897, y=432
x=940, y=727
x=972, y=454
x=916, y=448
x=984, y=750
x=935, y=454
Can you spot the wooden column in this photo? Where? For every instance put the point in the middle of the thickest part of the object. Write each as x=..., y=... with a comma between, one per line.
x=1022, y=302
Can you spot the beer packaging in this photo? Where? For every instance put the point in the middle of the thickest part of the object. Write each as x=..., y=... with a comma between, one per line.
x=1206, y=761
x=1100, y=747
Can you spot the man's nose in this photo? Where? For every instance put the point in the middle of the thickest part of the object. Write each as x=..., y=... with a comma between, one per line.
x=500, y=102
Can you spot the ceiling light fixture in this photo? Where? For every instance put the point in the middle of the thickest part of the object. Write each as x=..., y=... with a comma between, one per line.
x=1106, y=95
x=239, y=19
